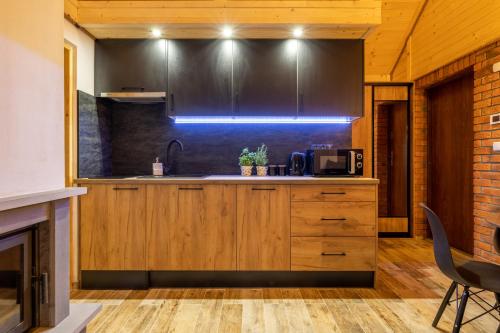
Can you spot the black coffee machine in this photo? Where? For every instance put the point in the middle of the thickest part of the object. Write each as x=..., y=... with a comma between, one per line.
x=297, y=164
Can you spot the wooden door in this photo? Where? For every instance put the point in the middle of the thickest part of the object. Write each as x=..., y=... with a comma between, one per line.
x=200, y=77
x=112, y=228
x=191, y=227
x=450, y=192
x=130, y=64
x=397, y=186
x=265, y=77
x=263, y=227
x=330, y=78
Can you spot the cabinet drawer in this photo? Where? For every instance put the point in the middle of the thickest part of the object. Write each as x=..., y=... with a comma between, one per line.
x=333, y=253
x=333, y=193
x=333, y=219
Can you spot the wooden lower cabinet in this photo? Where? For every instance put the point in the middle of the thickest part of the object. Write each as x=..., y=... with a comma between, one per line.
x=225, y=227
x=334, y=253
x=263, y=227
x=334, y=219
x=112, y=227
x=191, y=227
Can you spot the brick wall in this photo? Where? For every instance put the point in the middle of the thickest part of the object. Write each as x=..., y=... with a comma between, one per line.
x=486, y=162
x=381, y=156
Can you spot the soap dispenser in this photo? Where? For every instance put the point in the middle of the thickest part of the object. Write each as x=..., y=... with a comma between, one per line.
x=157, y=167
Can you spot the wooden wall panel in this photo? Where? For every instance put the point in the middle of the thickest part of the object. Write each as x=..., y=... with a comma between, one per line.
x=448, y=30
x=362, y=133
x=384, y=44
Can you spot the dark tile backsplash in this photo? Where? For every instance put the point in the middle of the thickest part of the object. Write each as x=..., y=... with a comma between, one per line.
x=142, y=132
x=94, y=137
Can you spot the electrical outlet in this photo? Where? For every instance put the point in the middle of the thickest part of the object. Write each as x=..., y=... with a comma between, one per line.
x=495, y=119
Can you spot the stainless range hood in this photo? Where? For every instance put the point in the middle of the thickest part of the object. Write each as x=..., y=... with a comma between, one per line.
x=136, y=97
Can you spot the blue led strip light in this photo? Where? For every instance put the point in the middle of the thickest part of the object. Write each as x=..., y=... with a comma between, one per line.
x=262, y=120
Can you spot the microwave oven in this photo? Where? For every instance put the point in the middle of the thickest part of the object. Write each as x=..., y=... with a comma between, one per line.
x=330, y=162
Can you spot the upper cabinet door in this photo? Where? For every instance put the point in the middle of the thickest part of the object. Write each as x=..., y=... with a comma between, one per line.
x=265, y=77
x=130, y=65
x=330, y=78
x=199, y=77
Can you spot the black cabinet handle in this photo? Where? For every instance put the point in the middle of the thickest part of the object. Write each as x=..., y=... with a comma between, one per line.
x=190, y=188
x=333, y=254
x=125, y=188
x=172, y=103
x=263, y=189
x=132, y=89
x=333, y=219
x=328, y=193
x=237, y=103
x=301, y=103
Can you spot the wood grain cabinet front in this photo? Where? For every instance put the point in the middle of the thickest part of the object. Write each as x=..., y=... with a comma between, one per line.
x=334, y=219
x=333, y=253
x=112, y=227
x=263, y=227
x=191, y=227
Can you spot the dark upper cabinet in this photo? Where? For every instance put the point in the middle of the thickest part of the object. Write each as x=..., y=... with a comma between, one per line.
x=265, y=77
x=130, y=64
x=330, y=78
x=199, y=77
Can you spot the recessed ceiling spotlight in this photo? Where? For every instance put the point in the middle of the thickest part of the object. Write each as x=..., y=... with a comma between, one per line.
x=156, y=32
x=227, y=32
x=297, y=32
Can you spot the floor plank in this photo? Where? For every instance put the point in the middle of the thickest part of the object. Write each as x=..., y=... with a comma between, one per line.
x=407, y=295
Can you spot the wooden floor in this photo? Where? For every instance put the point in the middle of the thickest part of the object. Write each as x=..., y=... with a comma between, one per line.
x=407, y=295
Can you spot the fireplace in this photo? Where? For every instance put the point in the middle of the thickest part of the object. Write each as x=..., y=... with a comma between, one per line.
x=34, y=264
x=19, y=281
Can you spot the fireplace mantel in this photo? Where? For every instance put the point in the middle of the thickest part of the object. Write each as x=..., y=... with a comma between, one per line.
x=49, y=211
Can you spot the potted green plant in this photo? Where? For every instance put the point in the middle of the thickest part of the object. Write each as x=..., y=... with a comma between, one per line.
x=247, y=158
x=261, y=160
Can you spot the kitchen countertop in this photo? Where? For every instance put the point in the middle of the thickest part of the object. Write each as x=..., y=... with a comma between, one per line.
x=226, y=179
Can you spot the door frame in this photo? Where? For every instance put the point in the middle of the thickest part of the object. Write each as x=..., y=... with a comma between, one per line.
x=71, y=148
x=409, y=172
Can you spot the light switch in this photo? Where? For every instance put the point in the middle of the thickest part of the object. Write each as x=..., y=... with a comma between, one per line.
x=496, y=67
x=496, y=146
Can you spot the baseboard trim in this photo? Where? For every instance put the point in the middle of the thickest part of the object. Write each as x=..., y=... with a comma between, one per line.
x=223, y=279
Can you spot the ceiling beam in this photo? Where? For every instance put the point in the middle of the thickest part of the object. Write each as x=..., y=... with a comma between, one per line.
x=360, y=13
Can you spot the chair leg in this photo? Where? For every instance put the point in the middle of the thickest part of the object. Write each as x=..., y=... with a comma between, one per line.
x=497, y=297
x=461, y=310
x=444, y=303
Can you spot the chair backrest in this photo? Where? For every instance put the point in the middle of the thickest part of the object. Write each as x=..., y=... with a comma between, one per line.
x=442, y=252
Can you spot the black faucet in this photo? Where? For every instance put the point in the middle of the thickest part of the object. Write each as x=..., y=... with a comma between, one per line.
x=167, y=159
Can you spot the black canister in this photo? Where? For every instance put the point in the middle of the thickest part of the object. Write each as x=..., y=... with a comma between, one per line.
x=297, y=164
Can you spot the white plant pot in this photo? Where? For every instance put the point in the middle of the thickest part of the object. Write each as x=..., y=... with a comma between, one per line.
x=261, y=171
x=246, y=170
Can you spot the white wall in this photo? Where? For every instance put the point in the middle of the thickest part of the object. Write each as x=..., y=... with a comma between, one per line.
x=31, y=96
x=85, y=57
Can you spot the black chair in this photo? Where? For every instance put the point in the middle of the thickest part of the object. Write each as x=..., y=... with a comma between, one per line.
x=475, y=274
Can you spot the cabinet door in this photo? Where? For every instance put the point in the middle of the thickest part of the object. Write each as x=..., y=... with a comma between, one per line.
x=191, y=227
x=330, y=78
x=199, y=77
x=112, y=228
x=130, y=64
x=265, y=77
x=263, y=238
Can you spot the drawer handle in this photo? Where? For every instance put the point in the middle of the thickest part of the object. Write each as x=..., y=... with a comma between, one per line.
x=263, y=189
x=190, y=188
x=125, y=188
x=333, y=219
x=338, y=193
x=333, y=254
